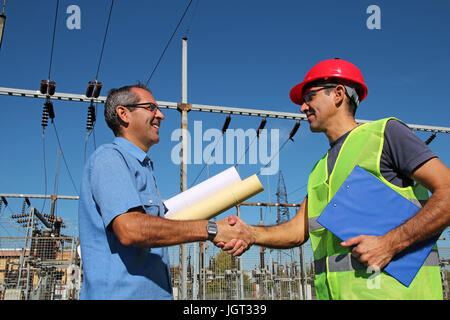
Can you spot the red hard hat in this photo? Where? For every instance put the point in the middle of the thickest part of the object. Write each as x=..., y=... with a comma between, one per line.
x=333, y=68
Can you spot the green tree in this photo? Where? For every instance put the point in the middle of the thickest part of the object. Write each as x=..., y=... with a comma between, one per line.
x=226, y=280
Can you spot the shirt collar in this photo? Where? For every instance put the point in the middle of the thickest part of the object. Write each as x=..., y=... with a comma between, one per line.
x=340, y=139
x=131, y=148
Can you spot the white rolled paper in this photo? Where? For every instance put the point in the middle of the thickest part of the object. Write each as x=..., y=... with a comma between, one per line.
x=221, y=201
x=202, y=191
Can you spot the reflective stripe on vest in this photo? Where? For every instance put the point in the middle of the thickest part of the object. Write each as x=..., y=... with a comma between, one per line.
x=346, y=262
x=313, y=224
x=419, y=203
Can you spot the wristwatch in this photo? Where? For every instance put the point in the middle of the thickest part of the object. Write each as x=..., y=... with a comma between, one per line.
x=211, y=228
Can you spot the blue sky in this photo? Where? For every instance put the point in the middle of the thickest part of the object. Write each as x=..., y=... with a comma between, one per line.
x=240, y=54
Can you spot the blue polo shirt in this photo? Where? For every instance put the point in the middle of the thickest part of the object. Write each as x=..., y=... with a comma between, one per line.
x=118, y=177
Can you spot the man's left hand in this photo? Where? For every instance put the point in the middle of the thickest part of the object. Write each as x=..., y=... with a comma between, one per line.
x=234, y=236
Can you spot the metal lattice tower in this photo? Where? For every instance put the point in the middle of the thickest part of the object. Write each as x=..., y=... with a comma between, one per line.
x=282, y=212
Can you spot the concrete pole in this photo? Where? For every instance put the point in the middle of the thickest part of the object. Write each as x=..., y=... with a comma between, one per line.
x=302, y=275
x=183, y=164
x=241, y=275
x=184, y=85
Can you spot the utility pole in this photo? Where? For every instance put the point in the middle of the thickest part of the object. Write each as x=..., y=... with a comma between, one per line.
x=302, y=274
x=184, y=108
x=241, y=275
x=282, y=212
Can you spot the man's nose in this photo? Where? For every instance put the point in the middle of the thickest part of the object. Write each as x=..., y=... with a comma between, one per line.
x=159, y=114
x=304, y=107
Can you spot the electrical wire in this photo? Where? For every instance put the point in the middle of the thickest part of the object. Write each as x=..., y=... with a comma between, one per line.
x=104, y=39
x=90, y=126
x=278, y=151
x=45, y=171
x=246, y=151
x=251, y=143
x=95, y=141
x=95, y=81
x=55, y=184
x=207, y=161
x=49, y=74
x=85, y=144
x=10, y=210
x=168, y=42
x=194, y=11
x=237, y=165
x=53, y=40
x=64, y=158
x=88, y=134
x=297, y=189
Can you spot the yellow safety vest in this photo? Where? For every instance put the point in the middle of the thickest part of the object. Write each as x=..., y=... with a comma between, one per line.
x=337, y=274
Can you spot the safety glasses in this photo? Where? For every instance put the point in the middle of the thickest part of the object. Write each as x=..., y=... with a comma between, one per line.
x=151, y=106
x=310, y=95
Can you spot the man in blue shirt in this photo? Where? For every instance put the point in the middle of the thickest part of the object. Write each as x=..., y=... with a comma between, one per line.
x=123, y=232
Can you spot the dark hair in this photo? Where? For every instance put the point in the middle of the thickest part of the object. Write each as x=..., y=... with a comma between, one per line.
x=118, y=97
x=351, y=106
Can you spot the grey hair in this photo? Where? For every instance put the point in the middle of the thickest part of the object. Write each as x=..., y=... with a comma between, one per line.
x=120, y=97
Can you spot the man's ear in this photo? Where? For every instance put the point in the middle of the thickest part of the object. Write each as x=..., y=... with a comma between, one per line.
x=122, y=115
x=339, y=95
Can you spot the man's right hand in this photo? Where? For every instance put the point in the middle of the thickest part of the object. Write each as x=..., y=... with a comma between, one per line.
x=234, y=236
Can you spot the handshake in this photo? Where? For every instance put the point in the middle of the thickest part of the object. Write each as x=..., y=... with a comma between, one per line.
x=234, y=236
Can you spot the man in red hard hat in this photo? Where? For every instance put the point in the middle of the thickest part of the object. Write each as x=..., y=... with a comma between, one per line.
x=329, y=75
x=329, y=96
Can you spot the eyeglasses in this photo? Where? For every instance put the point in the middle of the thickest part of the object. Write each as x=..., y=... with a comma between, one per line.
x=151, y=106
x=310, y=95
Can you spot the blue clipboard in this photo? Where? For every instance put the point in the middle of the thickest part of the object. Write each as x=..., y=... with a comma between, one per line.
x=364, y=205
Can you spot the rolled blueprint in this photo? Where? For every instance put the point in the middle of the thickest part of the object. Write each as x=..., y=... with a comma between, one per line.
x=202, y=191
x=221, y=201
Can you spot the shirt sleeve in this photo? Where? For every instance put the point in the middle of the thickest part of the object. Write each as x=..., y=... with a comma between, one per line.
x=403, y=150
x=113, y=188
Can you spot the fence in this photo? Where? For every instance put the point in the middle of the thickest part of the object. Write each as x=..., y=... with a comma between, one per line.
x=258, y=274
x=43, y=267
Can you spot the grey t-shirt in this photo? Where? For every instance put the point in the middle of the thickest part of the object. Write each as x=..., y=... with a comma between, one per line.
x=403, y=152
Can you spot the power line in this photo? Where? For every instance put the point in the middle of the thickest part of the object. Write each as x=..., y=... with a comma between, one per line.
x=245, y=152
x=224, y=129
x=260, y=128
x=94, y=88
x=45, y=170
x=194, y=11
x=104, y=39
x=276, y=154
x=168, y=42
x=47, y=96
x=297, y=189
x=64, y=158
x=207, y=161
x=53, y=40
